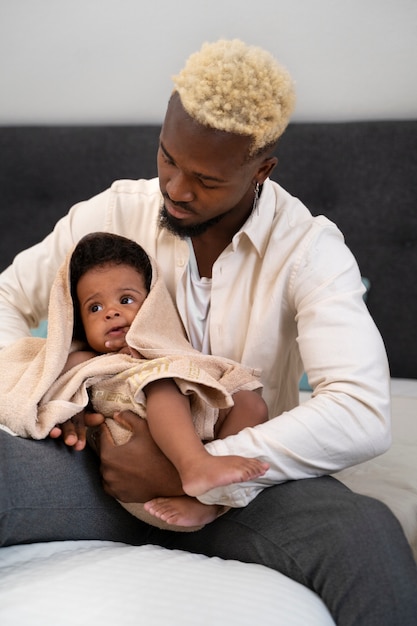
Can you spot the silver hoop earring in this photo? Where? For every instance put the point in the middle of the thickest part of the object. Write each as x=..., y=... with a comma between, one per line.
x=255, y=206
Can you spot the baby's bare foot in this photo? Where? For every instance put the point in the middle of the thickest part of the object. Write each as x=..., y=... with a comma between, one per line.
x=183, y=511
x=217, y=471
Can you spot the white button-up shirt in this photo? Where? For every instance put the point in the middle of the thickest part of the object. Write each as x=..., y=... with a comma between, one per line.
x=286, y=296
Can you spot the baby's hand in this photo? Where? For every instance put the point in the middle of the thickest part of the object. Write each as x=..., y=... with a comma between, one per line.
x=130, y=351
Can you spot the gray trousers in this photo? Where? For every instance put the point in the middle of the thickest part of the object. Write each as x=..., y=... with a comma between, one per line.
x=348, y=548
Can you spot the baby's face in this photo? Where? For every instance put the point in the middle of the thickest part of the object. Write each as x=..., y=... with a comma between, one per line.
x=109, y=297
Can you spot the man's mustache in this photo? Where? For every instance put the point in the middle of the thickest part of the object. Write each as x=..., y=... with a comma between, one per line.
x=181, y=205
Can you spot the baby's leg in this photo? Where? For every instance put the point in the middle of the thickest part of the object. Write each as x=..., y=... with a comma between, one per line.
x=249, y=409
x=170, y=423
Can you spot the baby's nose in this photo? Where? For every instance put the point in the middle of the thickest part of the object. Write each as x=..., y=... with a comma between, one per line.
x=112, y=313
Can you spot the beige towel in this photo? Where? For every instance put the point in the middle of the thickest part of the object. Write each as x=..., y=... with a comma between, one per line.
x=34, y=397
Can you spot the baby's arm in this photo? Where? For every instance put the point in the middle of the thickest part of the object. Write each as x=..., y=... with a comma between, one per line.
x=75, y=358
x=73, y=431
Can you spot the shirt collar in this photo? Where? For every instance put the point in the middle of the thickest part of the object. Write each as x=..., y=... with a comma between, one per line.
x=258, y=225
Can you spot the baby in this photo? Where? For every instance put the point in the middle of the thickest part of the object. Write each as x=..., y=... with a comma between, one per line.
x=110, y=279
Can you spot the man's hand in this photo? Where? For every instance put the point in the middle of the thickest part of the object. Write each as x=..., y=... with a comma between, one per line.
x=136, y=471
x=73, y=432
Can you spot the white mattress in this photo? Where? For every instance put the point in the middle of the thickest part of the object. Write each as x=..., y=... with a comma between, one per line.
x=103, y=583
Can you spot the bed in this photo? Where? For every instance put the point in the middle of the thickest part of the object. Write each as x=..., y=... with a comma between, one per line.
x=362, y=175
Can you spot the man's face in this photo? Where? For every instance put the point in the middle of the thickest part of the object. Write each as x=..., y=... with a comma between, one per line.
x=203, y=174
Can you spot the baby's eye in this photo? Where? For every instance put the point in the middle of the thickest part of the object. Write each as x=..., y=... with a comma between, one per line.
x=95, y=307
x=126, y=300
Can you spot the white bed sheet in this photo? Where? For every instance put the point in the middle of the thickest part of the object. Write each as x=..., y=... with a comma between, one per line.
x=103, y=583
x=98, y=583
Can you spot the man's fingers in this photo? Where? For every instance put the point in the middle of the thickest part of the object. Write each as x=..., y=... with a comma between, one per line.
x=74, y=432
x=55, y=432
x=104, y=438
x=127, y=419
x=93, y=419
x=70, y=435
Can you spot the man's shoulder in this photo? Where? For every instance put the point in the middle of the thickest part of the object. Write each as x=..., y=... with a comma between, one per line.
x=292, y=224
x=292, y=212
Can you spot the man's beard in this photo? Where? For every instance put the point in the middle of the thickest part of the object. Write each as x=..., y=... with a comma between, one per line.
x=175, y=227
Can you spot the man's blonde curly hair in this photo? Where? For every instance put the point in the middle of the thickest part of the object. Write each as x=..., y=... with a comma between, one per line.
x=239, y=89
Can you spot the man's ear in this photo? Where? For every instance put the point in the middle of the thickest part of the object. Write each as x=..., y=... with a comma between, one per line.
x=265, y=169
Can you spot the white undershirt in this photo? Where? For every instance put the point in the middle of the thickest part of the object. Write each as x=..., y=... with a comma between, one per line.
x=198, y=300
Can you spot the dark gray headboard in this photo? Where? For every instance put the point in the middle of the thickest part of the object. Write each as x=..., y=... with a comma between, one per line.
x=362, y=175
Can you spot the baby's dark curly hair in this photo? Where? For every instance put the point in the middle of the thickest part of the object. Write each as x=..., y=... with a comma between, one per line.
x=98, y=249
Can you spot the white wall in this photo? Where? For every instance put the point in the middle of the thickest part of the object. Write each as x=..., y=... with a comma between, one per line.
x=105, y=61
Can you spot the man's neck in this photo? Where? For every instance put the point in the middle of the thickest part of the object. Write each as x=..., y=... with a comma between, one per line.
x=207, y=250
x=209, y=245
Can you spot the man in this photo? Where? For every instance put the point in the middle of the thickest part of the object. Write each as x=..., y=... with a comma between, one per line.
x=257, y=279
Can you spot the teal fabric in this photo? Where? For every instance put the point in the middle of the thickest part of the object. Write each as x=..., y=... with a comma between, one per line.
x=303, y=385
x=41, y=330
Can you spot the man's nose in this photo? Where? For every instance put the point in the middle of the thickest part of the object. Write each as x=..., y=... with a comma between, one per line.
x=179, y=188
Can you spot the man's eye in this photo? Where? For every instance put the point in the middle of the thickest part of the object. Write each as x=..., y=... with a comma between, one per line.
x=206, y=185
x=166, y=158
